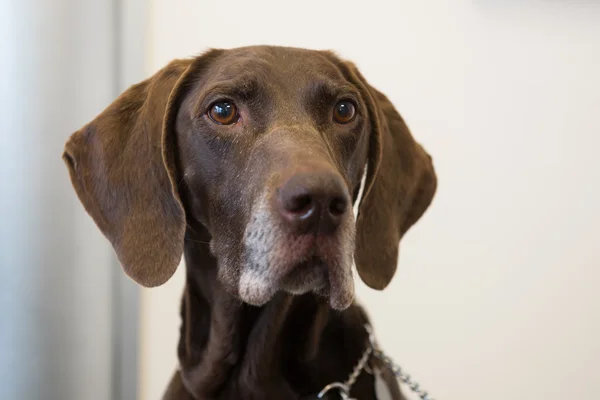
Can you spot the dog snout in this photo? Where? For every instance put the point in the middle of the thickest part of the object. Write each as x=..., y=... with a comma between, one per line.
x=313, y=201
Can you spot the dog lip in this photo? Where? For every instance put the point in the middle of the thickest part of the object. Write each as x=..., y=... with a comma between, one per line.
x=308, y=275
x=312, y=247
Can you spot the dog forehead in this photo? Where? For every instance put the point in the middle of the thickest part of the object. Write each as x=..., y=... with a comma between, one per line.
x=273, y=65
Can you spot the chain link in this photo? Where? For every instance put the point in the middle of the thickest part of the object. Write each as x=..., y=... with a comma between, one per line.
x=398, y=372
x=359, y=367
x=343, y=388
x=403, y=376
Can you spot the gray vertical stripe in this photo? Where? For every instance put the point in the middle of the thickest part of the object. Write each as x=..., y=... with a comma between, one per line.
x=68, y=316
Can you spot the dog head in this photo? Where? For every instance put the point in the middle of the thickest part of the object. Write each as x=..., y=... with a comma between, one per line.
x=264, y=151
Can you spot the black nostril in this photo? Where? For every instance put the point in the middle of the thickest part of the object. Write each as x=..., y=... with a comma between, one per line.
x=338, y=206
x=313, y=201
x=300, y=204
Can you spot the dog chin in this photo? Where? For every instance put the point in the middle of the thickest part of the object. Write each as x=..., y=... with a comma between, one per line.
x=254, y=289
x=306, y=277
x=257, y=289
x=310, y=276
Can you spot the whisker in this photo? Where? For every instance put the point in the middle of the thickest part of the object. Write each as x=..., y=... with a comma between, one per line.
x=180, y=183
x=191, y=228
x=196, y=241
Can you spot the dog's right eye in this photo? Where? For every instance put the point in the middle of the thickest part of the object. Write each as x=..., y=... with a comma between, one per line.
x=223, y=113
x=344, y=111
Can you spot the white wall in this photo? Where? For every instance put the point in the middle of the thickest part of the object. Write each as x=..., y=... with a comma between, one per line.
x=57, y=70
x=496, y=295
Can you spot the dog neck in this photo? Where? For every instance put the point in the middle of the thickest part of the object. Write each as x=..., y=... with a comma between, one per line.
x=291, y=346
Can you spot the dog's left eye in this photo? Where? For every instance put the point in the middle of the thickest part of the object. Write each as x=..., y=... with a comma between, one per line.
x=344, y=111
x=223, y=113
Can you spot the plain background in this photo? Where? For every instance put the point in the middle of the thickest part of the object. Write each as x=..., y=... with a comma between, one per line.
x=496, y=294
x=68, y=326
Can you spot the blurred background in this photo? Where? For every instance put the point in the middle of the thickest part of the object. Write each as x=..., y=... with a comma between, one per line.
x=496, y=295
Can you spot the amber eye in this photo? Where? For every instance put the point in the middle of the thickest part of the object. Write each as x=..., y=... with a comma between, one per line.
x=344, y=111
x=223, y=113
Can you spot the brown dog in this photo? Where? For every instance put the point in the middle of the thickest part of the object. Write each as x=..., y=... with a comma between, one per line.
x=249, y=161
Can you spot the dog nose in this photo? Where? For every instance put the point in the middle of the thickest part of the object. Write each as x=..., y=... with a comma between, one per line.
x=314, y=201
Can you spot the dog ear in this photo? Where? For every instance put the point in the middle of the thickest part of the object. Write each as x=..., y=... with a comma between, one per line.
x=400, y=186
x=122, y=167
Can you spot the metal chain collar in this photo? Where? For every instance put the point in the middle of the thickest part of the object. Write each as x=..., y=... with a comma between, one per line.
x=343, y=388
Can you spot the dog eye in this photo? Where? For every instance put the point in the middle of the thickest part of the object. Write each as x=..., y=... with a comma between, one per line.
x=344, y=111
x=223, y=113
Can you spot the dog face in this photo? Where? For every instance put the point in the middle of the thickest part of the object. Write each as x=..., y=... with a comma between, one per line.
x=272, y=143
x=262, y=150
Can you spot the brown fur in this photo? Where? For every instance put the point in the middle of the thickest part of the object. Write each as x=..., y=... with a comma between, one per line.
x=161, y=180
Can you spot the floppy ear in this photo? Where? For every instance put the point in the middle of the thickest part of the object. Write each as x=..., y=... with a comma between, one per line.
x=122, y=167
x=400, y=185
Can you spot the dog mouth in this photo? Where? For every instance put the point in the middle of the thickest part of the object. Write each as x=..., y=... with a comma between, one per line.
x=310, y=264
x=308, y=275
x=277, y=259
